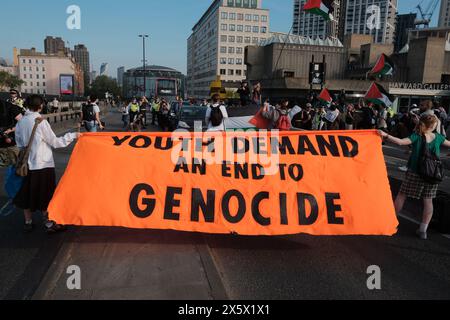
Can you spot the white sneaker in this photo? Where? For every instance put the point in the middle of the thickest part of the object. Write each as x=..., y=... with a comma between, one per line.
x=403, y=169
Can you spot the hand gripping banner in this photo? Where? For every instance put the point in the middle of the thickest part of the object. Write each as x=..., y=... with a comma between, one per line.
x=248, y=183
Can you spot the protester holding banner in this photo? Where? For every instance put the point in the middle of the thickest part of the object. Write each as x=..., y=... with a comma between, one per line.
x=40, y=183
x=416, y=185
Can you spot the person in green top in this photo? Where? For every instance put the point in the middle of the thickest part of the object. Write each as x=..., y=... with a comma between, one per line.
x=414, y=186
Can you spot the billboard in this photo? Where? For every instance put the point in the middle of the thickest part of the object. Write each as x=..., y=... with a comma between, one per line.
x=66, y=83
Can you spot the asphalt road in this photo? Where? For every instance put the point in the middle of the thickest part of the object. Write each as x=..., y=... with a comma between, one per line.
x=119, y=263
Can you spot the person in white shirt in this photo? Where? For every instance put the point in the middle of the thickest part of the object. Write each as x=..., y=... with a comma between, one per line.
x=216, y=115
x=90, y=115
x=40, y=183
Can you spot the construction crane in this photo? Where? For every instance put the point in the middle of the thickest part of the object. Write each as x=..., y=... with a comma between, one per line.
x=427, y=15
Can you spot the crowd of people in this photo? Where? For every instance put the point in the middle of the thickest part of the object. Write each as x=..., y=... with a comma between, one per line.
x=23, y=129
x=135, y=113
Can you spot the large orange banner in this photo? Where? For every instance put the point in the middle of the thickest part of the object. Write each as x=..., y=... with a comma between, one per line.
x=252, y=183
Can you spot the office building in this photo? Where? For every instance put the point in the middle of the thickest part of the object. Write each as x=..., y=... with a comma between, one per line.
x=81, y=56
x=404, y=23
x=104, y=69
x=54, y=46
x=373, y=17
x=444, y=14
x=217, y=44
x=41, y=72
x=311, y=25
x=120, y=72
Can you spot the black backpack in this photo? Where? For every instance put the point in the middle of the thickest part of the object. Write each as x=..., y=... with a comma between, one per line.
x=431, y=168
x=216, y=116
x=89, y=113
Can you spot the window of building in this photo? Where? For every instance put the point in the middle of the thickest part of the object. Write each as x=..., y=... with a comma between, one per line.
x=232, y=16
x=37, y=84
x=31, y=84
x=230, y=60
x=223, y=72
x=224, y=27
x=37, y=76
x=37, y=61
x=247, y=40
x=43, y=76
x=240, y=16
x=37, y=68
x=231, y=50
x=223, y=49
x=231, y=72
x=239, y=39
x=30, y=69
x=240, y=28
x=239, y=50
x=24, y=61
x=231, y=39
x=255, y=40
x=43, y=84
x=43, y=61
x=248, y=17
x=232, y=27
x=256, y=18
x=264, y=18
x=248, y=28
x=239, y=61
x=43, y=68
x=224, y=15
x=246, y=3
x=255, y=29
x=223, y=38
x=254, y=4
x=223, y=60
x=24, y=68
x=263, y=29
x=238, y=3
x=29, y=61
x=239, y=72
x=31, y=76
x=24, y=76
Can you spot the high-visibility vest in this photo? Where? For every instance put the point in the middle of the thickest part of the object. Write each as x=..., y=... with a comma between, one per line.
x=134, y=108
x=156, y=106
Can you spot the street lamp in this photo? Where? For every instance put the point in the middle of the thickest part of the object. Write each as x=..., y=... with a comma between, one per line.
x=143, y=36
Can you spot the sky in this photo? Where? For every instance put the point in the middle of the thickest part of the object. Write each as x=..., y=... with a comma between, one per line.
x=110, y=28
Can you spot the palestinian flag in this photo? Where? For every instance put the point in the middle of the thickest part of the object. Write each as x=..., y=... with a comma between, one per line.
x=325, y=97
x=377, y=95
x=383, y=67
x=322, y=8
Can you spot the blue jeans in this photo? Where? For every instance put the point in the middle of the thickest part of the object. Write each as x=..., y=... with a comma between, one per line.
x=91, y=126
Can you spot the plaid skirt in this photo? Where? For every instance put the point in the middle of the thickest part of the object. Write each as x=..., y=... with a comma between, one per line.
x=415, y=187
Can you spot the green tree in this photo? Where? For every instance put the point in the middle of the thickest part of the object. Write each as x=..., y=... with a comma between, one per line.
x=103, y=84
x=9, y=81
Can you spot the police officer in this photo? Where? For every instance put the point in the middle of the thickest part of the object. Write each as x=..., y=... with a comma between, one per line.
x=15, y=99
